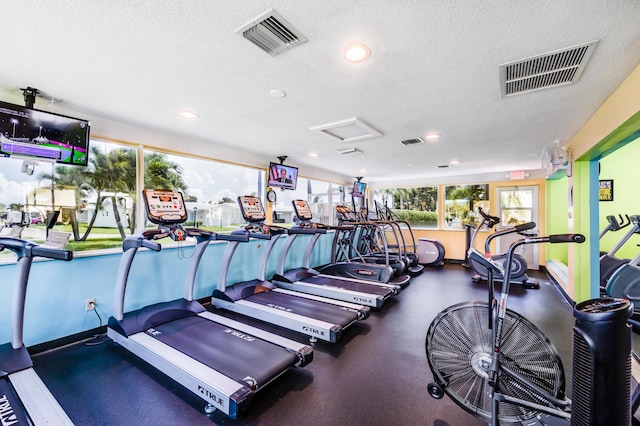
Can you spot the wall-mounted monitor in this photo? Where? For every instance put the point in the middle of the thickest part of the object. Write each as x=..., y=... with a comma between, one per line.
x=31, y=133
x=359, y=189
x=282, y=176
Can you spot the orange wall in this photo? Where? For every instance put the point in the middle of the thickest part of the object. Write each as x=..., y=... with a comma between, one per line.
x=454, y=241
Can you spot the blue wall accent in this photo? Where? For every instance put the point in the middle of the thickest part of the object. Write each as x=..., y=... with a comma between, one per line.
x=55, y=304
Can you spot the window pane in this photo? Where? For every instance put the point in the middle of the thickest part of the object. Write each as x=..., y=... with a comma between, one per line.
x=210, y=188
x=418, y=206
x=313, y=191
x=78, y=201
x=513, y=217
x=516, y=198
x=460, y=204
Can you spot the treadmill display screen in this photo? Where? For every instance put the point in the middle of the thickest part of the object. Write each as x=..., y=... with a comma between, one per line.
x=302, y=210
x=165, y=206
x=252, y=208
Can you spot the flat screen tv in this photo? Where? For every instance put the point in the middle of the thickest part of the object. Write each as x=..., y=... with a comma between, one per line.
x=359, y=189
x=282, y=176
x=31, y=133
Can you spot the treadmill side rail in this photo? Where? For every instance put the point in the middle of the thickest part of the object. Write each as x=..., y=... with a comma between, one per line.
x=362, y=311
x=305, y=325
x=38, y=400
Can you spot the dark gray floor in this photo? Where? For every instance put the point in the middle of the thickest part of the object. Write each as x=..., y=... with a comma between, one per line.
x=376, y=375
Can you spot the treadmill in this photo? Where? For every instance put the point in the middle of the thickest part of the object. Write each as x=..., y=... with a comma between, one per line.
x=24, y=398
x=308, y=280
x=220, y=360
x=317, y=317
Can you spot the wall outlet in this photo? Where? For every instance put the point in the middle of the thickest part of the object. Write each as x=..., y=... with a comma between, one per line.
x=90, y=304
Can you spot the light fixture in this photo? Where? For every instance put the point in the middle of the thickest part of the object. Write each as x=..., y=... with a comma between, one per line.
x=357, y=52
x=277, y=93
x=454, y=162
x=189, y=115
x=432, y=137
x=313, y=154
x=348, y=151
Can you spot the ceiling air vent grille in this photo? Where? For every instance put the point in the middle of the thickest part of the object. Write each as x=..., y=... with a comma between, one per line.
x=414, y=141
x=549, y=70
x=271, y=33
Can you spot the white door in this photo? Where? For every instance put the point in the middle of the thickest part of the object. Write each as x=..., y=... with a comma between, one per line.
x=517, y=205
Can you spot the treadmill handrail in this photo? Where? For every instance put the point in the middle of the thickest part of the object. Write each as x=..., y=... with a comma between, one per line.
x=25, y=251
x=131, y=245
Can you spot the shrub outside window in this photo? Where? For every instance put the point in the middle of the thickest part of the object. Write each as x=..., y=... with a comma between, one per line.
x=461, y=203
x=417, y=206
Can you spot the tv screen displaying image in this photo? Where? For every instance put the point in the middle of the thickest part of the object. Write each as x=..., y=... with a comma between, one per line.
x=26, y=132
x=359, y=189
x=282, y=176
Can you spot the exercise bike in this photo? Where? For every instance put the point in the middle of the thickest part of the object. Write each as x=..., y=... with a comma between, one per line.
x=518, y=262
x=500, y=367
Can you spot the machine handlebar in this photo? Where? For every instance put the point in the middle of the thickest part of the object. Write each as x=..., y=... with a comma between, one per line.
x=52, y=253
x=493, y=219
x=152, y=245
x=24, y=248
x=567, y=238
x=525, y=226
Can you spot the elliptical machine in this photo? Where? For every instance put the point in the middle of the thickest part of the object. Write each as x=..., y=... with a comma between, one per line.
x=609, y=263
x=518, y=263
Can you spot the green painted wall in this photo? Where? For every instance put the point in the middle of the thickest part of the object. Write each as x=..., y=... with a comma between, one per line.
x=556, y=216
x=623, y=167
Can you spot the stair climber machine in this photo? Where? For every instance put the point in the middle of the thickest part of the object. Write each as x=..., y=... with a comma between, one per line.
x=609, y=263
x=518, y=264
x=222, y=361
x=317, y=317
x=308, y=280
x=370, y=246
x=24, y=398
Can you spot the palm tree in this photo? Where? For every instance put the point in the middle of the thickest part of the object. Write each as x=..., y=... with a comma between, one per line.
x=115, y=172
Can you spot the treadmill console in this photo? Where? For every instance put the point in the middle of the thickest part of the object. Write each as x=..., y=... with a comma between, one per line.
x=251, y=208
x=302, y=210
x=164, y=206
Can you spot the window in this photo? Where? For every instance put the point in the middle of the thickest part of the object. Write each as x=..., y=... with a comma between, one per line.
x=460, y=204
x=210, y=188
x=313, y=191
x=516, y=206
x=417, y=206
x=94, y=204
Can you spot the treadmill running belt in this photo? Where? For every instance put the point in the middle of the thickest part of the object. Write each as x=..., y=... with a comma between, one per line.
x=327, y=312
x=230, y=352
x=11, y=409
x=347, y=285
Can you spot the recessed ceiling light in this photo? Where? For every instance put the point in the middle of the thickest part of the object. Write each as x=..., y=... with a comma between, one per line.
x=189, y=115
x=357, y=52
x=432, y=137
x=454, y=162
x=313, y=154
x=277, y=93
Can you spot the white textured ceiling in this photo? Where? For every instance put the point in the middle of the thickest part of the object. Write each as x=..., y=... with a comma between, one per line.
x=433, y=68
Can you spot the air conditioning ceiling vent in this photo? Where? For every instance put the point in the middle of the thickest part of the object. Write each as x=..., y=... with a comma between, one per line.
x=414, y=141
x=271, y=33
x=552, y=69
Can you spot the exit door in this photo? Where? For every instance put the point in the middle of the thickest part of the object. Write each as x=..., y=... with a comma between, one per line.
x=517, y=205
